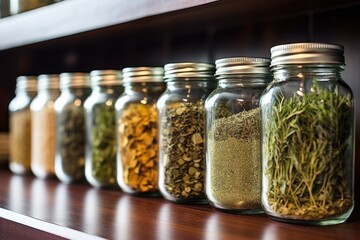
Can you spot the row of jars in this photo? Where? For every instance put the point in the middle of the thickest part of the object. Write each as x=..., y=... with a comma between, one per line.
x=233, y=134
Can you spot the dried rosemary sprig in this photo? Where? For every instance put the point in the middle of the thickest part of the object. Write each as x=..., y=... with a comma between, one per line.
x=304, y=145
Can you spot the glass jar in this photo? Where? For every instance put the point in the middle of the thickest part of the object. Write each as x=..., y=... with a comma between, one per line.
x=307, y=137
x=137, y=129
x=43, y=126
x=20, y=124
x=182, y=130
x=19, y=6
x=233, y=164
x=100, y=157
x=70, y=144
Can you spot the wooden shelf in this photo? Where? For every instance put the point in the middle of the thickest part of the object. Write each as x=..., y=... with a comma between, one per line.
x=77, y=16
x=50, y=208
x=92, y=18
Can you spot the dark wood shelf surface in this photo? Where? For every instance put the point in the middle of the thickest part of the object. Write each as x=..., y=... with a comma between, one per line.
x=79, y=211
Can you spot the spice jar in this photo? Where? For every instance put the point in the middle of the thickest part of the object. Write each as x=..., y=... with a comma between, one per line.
x=20, y=124
x=19, y=6
x=182, y=130
x=307, y=137
x=43, y=126
x=233, y=164
x=100, y=163
x=137, y=130
x=70, y=144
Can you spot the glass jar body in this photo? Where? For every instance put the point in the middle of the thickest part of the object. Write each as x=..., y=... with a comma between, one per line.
x=70, y=144
x=137, y=138
x=308, y=145
x=100, y=150
x=182, y=132
x=20, y=132
x=43, y=131
x=233, y=164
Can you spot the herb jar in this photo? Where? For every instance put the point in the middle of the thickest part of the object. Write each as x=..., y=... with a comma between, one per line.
x=100, y=157
x=233, y=164
x=137, y=130
x=70, y=112
x=20, y=124
x=307, y=137
x=182, y=130
x=43, y=126
x=19, y=6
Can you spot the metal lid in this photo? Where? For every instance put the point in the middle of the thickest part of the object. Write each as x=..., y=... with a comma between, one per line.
x=189, y=71
x=26, y=83
x=48, y=81
x=74, y=80
x=106, y=77
x=143, y=74
x=242, y=65
x=307, y=53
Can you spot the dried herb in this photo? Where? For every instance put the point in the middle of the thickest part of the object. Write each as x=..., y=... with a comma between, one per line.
x=71, y=141
x=20, y=140
x=304, y=145
x=182, y=143
x=138, y=147
x=233, y=163
x=103, y=144
x=43, y=142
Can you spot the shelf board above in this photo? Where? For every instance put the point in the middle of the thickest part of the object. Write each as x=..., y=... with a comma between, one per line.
x=84, y=20
x=77, y=16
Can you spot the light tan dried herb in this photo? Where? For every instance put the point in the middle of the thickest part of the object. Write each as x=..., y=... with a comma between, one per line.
x=138, y=147
x=43, y=142
x=20, y=140
x=182, y=145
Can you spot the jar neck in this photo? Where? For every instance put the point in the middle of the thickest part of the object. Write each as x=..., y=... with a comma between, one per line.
x=307, y=72
x=144, y=87
x=26, y=93
x=76, y=91
x=108, y=89
x=175, y=85
x=245, y=81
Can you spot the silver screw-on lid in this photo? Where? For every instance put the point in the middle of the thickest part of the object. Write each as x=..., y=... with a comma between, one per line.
x=189, y=71
x=242, y=65
x=307, y=53
x=48, y=81
x=143, y=74
x=106, y=77
x=76, y=80
x=26, y=83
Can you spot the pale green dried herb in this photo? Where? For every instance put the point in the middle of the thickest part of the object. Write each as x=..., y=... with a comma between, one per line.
x=233, y=164
x=103, y=144
x=304, y=144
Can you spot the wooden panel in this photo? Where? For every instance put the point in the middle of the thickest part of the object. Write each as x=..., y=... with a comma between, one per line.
x=112, y=214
